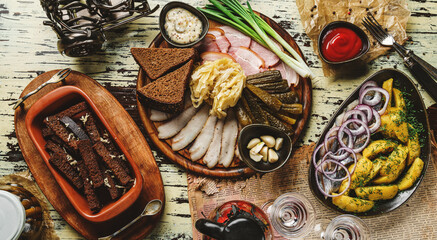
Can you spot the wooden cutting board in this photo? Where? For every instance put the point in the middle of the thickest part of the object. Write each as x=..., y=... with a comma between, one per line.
x=182, y=157
x=130, y=136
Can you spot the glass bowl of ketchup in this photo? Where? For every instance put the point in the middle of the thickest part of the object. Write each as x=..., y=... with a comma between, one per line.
x=342, y=42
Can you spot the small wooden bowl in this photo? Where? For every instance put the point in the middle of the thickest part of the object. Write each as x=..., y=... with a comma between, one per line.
x=255, y=131
x=62, y=98
x=197, y=13
x=337, y=24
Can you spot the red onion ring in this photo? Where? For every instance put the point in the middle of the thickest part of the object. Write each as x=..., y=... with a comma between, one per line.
x=365, y=108
x=347, y=150
x=328, y=134
x=375, y=126
x=377, y=89
x=343, y=129
x=348, y=176
x=368, y=84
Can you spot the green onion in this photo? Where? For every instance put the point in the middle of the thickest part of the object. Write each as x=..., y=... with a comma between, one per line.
x=231, y=12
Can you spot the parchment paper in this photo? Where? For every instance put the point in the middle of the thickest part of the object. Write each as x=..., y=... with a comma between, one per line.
x=25, y=179
x=391, y=14
x=414, y=220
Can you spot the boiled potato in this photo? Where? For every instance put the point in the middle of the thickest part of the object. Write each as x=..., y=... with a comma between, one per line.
x=351, y=204
x=412, y=174
x=394, y=160
x=377, y=192
x=413, y=145
x=360, y=175
x=393, y=125
x=388, y=85
x=395, y=172
x=376, y=167
x=378, y=147
x=399, y=99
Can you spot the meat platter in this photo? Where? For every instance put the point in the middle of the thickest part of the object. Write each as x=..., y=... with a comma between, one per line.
x=237, y=168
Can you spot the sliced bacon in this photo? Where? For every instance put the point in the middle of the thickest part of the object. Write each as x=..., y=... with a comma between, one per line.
x=209, y=44
x=269, y=57
x=249, y=60
x=212, y=56
x=216, y=32
x=288, y=73
x=235, y=37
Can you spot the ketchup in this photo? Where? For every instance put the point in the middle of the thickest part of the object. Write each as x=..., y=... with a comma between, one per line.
x=341, y=44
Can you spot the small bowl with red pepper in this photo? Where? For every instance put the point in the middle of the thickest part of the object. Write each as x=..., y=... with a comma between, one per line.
x=342, y=42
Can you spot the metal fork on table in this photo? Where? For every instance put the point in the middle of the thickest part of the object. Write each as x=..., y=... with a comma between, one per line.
x=59, y=76
x=422, y=71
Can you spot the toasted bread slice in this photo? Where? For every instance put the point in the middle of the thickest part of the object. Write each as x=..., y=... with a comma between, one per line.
x=157, y=61
x=167, y=93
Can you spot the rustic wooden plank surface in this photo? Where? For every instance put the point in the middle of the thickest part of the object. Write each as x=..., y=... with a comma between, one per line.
x=27, y=49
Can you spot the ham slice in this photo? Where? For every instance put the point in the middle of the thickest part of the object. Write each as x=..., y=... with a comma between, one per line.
x=216, y=32
x=212, y=56
x=222, y=43
x=209, y=44
x=288, y=73
x=235, y=37
x=249, y=60
x=269, y=57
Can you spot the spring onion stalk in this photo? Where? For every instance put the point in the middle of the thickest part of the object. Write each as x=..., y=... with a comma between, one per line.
x=259, y=29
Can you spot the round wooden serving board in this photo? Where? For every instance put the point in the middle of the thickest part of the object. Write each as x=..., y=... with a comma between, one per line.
x=182, y=157
x=129, y=135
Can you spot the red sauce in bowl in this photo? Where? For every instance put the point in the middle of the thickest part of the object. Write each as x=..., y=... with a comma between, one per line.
x=341, y=44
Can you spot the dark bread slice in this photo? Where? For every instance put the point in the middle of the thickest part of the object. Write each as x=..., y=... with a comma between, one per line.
x=90, y=161
x=120, y=173
x=167, y=93
x=157, y=61
x=60, y=161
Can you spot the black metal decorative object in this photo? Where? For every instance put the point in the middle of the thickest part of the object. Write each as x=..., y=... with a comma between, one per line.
x=80, y=24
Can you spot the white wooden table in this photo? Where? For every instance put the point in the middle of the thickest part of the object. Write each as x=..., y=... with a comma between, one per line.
x=28, y=48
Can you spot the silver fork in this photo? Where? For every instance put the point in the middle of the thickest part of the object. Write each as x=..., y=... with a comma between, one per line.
x=59, y=76
x=424, y=72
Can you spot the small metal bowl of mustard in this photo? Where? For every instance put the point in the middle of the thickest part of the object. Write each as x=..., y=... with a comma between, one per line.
x=342, y=42
x=182, y=25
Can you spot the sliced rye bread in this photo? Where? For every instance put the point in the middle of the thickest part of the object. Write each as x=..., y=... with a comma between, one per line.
x=167, y=93
x=157, y=61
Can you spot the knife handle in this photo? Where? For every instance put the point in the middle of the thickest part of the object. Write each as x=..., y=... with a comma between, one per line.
x=425, y=65
x=422, y=76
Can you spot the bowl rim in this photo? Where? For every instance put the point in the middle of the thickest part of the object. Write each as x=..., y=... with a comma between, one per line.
x=315, y=191
x=109, y=210
x=248, y=162
x=193, y=10
x=361, y=34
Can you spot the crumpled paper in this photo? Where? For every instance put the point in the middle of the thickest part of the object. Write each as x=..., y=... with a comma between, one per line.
x=391, y=14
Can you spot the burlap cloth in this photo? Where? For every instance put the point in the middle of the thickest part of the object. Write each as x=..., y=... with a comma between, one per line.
x=25, y=179
x=316, y=14
x=417, y=219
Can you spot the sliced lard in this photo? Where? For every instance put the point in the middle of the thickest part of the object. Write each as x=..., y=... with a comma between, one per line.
x=229, y=138
x=191, y=130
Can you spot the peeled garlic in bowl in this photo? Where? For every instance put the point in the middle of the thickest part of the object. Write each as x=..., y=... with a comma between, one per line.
x=264, y=148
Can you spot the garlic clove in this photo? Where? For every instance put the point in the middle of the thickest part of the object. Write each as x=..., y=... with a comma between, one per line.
x=257, y=147
x=273, y=156
x=278, y=144
x=255, y=156
x=265, y=152
x=252, y=143
x=269, y=140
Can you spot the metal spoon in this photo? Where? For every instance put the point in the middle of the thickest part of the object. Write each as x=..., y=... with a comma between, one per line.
x=152, y=208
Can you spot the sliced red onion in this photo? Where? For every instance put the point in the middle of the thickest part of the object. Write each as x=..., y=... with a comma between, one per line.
x=377, y=89
x=367, y=109
x=368, y=84
x=316, y=150
x=343, y=129
x=348, y=176
x=375, y=126
x=348, y=151
x=374, y=100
